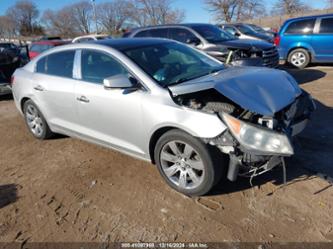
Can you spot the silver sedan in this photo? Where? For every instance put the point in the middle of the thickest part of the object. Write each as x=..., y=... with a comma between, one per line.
x=167, y=103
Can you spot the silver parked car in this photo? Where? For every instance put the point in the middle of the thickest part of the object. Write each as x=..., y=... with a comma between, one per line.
x=167, y=103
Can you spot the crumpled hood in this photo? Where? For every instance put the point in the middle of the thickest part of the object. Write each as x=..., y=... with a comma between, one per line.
x=260, y=90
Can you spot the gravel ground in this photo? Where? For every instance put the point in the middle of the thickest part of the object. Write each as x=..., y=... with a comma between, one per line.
x=68, y=190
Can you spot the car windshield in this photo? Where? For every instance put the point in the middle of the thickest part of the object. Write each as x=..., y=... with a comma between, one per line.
x=173, y=63
x=213, y=34
x=257, y=28
x=245, y=29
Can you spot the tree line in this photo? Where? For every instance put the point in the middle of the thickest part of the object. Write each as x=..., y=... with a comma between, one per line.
x=25, y=19
x=239, y=10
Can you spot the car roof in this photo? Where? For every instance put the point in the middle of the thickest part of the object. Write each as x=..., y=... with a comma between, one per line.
x=92, y=35
x=308, y=17
x=189, y=25
x=129, y=43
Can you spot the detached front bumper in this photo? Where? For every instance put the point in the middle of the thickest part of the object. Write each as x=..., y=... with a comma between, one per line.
x=5, y=89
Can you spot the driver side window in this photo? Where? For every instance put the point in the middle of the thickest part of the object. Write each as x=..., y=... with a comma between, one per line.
x=97, y=66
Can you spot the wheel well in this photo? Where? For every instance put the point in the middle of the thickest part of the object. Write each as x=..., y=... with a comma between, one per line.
x=306, y=49
x=22, y=102
x=154, y=138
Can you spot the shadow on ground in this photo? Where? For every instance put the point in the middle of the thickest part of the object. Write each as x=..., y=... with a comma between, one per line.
x=8, y=194
x=304, y=76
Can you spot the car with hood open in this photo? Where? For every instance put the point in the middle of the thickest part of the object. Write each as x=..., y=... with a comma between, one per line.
x=11, y=57
x=165, y=102
x=215, y=42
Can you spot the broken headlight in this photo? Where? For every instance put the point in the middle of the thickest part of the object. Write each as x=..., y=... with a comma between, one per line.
x=258, y=139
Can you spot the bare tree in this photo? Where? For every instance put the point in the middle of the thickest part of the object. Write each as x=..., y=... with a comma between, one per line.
x=82, y=15
x=155, y=12
x=235, y=10
x=24, y=14
x=252, y=9
x=7, y=27
x=113, y=15
x=224, y=10
x=329, y=3
x=60, y=23
x=289, y=7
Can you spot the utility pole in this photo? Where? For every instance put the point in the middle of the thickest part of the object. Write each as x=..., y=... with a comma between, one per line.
x=95, y=17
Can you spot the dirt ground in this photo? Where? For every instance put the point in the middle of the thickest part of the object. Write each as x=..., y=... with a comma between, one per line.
x=68, y=190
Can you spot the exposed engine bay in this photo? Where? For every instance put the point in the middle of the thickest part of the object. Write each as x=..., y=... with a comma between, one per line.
x=250, y=160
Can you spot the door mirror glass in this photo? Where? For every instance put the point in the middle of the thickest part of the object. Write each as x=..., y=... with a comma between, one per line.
x=237, y=34
x=193, y=41
x=119, y=81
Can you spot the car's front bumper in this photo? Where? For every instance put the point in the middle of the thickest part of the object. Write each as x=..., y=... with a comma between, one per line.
x=5, y=89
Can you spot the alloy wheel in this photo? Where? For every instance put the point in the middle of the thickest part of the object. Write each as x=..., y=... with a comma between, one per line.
x=34, y=120
x=182, y=164
x=298, y=59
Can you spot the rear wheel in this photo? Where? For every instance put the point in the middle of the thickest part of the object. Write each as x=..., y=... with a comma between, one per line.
x=299, y=58
x=35, y=121
x=186, y=163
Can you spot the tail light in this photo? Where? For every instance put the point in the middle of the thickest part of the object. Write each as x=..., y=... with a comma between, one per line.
x=12, y=80
x=277, y=40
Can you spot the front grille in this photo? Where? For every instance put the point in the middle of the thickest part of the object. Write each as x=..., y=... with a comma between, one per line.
x=270, y=57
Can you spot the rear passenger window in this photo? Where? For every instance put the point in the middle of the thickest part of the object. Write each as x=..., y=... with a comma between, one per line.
x=97, y=66
x=181, y=35
x=163, y=33
x=326, y=26
x=145, y=33
x=57, y=64
x=301, y=27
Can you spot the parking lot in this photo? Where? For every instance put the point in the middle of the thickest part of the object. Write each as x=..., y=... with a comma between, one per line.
x=68, y=190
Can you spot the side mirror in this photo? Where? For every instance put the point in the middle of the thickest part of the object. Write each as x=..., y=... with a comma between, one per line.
x=237, y=34
x=193, y=41
x=119, y=81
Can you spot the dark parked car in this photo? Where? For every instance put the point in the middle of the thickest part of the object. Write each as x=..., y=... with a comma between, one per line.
x=11, y=58
x=215, y=42
x=306, y=39
x=246, y=31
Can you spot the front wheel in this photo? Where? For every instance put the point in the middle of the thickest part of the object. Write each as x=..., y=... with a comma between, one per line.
x=299, y=58
x=186, y=163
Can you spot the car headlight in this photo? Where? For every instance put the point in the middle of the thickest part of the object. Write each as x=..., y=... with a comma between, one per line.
x=258, y=139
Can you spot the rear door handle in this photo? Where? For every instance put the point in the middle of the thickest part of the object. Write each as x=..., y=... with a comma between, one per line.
x=39, y=88
x=83, y=99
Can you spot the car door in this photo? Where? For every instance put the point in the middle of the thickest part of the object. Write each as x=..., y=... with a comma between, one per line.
x=53, y=88
x=108, y=116
x=322, y=40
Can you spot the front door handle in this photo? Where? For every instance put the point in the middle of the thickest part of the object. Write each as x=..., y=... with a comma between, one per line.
x=39, y=88
x=83, y=99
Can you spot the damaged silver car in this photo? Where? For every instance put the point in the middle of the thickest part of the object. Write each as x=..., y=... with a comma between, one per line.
x=167, y=103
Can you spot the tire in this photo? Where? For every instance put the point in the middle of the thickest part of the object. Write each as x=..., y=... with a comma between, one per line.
x=35, y=121
x=299, y=58
x=179, y=155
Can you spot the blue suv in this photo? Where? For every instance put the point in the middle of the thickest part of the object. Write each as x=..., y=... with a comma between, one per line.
x=306, y=39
